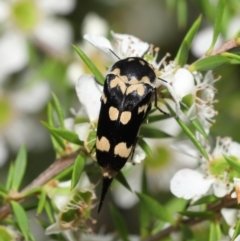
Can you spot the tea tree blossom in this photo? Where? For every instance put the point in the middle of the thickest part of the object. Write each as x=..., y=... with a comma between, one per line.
x=214, y=173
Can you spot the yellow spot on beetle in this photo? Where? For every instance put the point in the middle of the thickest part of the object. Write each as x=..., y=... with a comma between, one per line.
x=103, y=144
x=117, y=82
x=104, y=98
x=125, y=117
x=142, y=62
x=139, y=88
x=121, y=150
x=142, y=108
x=113, y=113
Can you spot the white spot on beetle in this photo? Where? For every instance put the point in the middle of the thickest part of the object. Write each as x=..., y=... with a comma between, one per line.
x=142, y=108
x=138, y=88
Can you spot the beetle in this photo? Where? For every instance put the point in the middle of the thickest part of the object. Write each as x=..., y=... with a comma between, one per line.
x=126, y=100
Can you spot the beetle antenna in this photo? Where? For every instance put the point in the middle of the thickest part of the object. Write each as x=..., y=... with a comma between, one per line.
x=114, y=53
x=106, y=182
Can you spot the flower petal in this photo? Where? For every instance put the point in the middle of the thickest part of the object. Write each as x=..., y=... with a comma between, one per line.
x=13, y=52
x=89, y=94
x=183, y=83
x=3, y=151
x=188, y=184
x=56, y=34
x=82, y=130
x=221, y=189
x=57, y=6
x=94, y=24
x=230, y=215
x=102, y=44
x=129, y=46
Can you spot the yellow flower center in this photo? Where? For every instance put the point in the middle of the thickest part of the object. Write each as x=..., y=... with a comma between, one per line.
x=25, y=14
x=160, y=158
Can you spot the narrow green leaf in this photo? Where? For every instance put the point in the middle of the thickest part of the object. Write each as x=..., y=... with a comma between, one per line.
x=206, y=200
x=65, y=173
x=233, y=163
x=10, y=176
x=155, y=208
x=119, y=223
x=22, y=219
x=197, y=124
x=189, y=133
x=144, y=181
x=206, y=214
x=154, y=118
x=19, y=169
x=215, y=231
x=237, y=230
x=42, y=202
x=58, y=143
x=231, y=56
x=208, y=63
x=187, y=233
x=90, y=65
x=192, y=138
x=78, y=167
x=182, y=13
x=217, y=23
x=59, y=111
x=143, y=144
x=65, y=134
x=121, y=178
x=150, y=132
x=49, y=211
x=182, y=55
x=144, y=220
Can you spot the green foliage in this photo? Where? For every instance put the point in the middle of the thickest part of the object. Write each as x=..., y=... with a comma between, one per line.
x=78, y=168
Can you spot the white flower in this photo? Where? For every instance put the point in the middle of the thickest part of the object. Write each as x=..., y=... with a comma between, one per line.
x=24, y=20
x=123, y=45
x=182, y=187
x=213, y=173
x=95, y=25
x=16, y=124
x=203, y=40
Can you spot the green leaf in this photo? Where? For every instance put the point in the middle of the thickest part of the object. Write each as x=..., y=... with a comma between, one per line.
x=182, y=55
x=19, y=168
x=206, y=200
x=215, y=231
x=56, y=140
x=90, y=65
x=42, y=201
x=10, y=176
x=154, y=118
x=5, y=235
x=217, y=24
x=182, y=13
x=155, y=208
x=150, y=132
x=65, y=173
x=65, y=134
x=197, y=124
x=233, y=163
x=235, y=58
x=189, y=134
x=237, y=230
x=203, y=214
x=187, y=233
x=143, y=144
x=59, y=111
x=78, y=167
x=22, y=219
x=119, y=223
x=121, y=178
x=208, y=63
x=49, y=211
